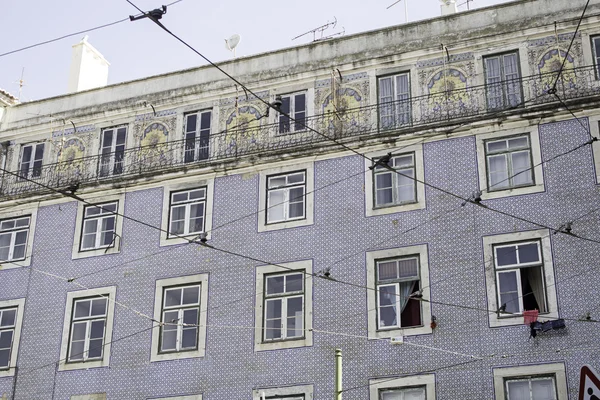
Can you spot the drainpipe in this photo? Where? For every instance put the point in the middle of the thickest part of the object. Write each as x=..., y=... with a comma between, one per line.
x=338, y=374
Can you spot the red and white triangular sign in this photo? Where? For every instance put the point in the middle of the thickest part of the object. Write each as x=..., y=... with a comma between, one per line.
x=589, y=384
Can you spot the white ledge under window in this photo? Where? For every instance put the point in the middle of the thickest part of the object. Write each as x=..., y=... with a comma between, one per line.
x=595, y=132
x=372, y=257
x=423, y=383
x=541, y=238
x=550, y=377
x=186, y=397
x=505, y=187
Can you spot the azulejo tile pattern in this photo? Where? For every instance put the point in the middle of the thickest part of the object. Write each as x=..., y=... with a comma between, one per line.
x=338, y=239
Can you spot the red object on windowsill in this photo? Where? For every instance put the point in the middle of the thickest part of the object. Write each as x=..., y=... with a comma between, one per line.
x=530, y=316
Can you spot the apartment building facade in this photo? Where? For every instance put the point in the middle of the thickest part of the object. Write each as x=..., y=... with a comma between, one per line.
x=425, y=200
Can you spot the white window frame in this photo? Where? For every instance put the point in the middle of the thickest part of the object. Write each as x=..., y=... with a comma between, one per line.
x=370, y=208
x=183, y=185
x=187, y=205
x=286, y=189
x=501, y=374
x=542, y=235
x=379, y=384
x=104, y=214
x=284, y=306
x=510, y=169
x=31, y=163
x=595, y=57
x=259, y=323
x=292, y=113
x=110, y=292
x=19, y=304
x=536, y=159
x=161, y=284
x=308, y=197
x=302, y=390
x=113, y=148
x=372, y=306
x=15, y=214
x=116, y=246
x=594, y=122
x=198, y=131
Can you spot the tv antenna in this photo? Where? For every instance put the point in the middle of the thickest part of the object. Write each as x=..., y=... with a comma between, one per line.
x=321, y=30
x=232, y=43
x=467, y=3
x=21, y=83
x=405, y=8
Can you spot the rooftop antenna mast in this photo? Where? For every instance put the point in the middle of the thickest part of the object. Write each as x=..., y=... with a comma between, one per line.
x=405, y=9
x=21, y=83
x=320, y=30
x=232, y=43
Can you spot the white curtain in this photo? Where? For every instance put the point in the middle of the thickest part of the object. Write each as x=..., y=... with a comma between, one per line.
x=536, y=281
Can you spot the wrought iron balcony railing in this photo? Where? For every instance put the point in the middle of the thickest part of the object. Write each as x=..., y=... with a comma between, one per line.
x=261, y=139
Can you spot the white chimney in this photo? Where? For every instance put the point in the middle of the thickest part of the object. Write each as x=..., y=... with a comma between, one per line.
x=89, y=68
x=448, y=7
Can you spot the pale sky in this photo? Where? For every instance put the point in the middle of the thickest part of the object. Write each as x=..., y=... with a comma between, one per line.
x=140, y=49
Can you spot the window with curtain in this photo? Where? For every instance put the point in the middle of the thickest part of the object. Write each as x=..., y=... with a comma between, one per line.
x=32, y=158
x=394, y=101
x=508, y=163
x=13, y=238
x=112, y=151
x=415, y=393
x=99, y=226
x=180, y=316
x=397, y=279
x=531, y=388
x=503, y=81
x=187, y=212
x=285, y=197
x=292, y=105
x=520, y=277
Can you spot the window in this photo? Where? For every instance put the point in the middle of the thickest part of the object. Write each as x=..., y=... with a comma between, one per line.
x=87, y=331
x=397, y=279
x=186, y=209
x=509, y=163
x=531, y=382
x=531, y=388
x=32, y=157
x=13, y=238
x=396, y=274
x=304, y=392
x=286, y=197
x=596, y=54
x=519, y=276
x=187, y=212
x=88, y=322
x=180, y=303
x=11, y=319
x=417, y=393
x=393, y=188
x=8, y=322
x=394, y=101
x=197, y=135
x=293, y=105
x=98, y=227
x=502, y=79
x=284, y=306
x=112, y=151
x=418, y=387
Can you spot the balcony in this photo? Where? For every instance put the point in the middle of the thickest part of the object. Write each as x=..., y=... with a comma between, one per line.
x=443, y=109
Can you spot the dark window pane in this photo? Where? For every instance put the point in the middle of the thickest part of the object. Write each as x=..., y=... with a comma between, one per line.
x=95, y=350
x=97, y=329
x=169, y=340
x=6, y=339
x=172, y=297
x=79, y=330
x=275, y=284
x=77, y=351
x=529, y=253
x=4, y=356
x=99, y=306
x=294, y=283
x=190, y=295
x=506, y=255
x=273, y=309
x=8, y=318
x=189, y=336
x=190, y=316
x=82, y=308
x=190, y=125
